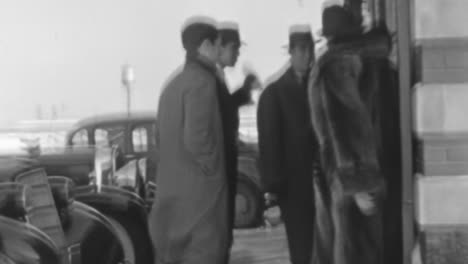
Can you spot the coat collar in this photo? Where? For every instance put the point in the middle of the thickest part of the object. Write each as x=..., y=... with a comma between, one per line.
x=220, y=73
x=374, y=44
x=201, y=61
x=291, y=75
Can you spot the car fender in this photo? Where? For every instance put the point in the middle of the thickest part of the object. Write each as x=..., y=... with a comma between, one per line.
x=111, y=199
x=248, y=171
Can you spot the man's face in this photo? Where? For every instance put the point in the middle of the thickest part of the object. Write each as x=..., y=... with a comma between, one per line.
x=228, y=54
x=302, y=55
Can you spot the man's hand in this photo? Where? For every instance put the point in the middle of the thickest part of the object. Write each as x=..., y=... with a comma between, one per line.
x=251, y=82
x=366, y=203
x=245, y=94
x=271, y=199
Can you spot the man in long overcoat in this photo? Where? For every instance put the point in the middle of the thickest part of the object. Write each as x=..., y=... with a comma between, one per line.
x=354, y=111
x=188, y=221
x=288, y=147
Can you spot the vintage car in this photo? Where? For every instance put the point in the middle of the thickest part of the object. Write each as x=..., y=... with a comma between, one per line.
x=133, y=138
x=48, y=219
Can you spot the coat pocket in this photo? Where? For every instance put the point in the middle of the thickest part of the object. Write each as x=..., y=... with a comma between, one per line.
x=354, y=179
x=209, y=165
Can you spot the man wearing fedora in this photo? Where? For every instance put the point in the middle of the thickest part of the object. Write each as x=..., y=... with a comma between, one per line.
x=354, y=110
x=189, y=220
x=288, y=147
x=230, y=104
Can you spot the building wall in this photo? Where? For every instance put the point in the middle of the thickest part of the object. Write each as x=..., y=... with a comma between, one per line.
x=441, y=95
x=440, y=18
x=441, y=128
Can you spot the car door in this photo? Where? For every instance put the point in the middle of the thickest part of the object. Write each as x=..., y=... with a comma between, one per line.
x=143, y=145
x=142, y=141
x=108, y=135
x=113, y=135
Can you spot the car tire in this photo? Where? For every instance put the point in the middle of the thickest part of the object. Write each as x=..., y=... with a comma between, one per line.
x=125, y=240
x=249, y=206
x=139, y=237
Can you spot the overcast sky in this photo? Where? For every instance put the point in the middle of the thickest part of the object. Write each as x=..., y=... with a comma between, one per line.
x=68, y=53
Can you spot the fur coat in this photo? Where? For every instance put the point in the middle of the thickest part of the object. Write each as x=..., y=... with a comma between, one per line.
x=354, y=113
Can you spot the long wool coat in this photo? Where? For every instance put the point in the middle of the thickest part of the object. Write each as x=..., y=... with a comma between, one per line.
x=288, y=158
x=189, y=221
x=354, y=109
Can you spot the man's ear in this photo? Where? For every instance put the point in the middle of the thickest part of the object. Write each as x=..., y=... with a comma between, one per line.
x=204, y=45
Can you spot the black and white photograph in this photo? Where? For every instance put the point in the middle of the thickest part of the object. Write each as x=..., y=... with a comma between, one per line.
x=233, y=132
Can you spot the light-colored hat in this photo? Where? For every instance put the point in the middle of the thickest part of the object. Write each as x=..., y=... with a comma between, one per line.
x=300, y=29
x=299, y=33
x=228, y=25
x=229, y=31
x=199, y=19
x=328, y=3
x=197, y=28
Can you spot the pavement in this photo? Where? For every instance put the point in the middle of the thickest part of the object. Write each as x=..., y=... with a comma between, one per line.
x=263, y=245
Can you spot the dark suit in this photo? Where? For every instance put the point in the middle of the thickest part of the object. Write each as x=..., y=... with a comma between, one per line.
x=287, y=158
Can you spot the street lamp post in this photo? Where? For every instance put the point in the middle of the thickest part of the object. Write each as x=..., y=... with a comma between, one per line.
x=128, y=78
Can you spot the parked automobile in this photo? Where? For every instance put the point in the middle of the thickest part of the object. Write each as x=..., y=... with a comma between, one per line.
x=134, y=138
x=48, y=219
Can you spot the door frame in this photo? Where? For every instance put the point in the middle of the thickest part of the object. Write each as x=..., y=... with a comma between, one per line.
x=401, y=17
x=404, y=14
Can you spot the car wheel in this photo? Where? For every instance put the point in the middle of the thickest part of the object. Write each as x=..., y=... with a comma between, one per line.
x=127, y=245
x=249, y=208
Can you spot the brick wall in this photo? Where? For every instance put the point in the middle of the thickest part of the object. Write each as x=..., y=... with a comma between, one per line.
x=446, y=245
x=441, y=129
x=443, y=155
x=441, y=106
x=443, y=60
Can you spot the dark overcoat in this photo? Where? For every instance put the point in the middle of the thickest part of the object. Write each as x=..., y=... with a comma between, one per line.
x=354, y=105
x=287, y=158
x=229, y=108
x=189, y=221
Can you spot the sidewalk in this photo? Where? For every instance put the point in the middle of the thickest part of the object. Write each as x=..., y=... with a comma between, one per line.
x=263, y=245
x=260, y=246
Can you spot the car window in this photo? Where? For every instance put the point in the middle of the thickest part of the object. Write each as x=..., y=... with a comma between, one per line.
x=140, y=139
x=107, y=136
x=80, y=138
x=101, y=137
